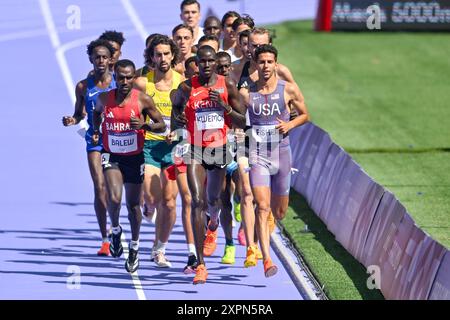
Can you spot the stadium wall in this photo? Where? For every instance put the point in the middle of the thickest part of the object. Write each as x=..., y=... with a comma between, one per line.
x=367, y=219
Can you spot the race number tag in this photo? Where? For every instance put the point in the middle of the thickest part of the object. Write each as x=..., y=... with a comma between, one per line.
x=265, y=134
x=122, y=142
x=181, y=149
x=209, y=119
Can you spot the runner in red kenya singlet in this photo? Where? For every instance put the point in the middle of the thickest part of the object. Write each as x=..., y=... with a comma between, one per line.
x=212, y=105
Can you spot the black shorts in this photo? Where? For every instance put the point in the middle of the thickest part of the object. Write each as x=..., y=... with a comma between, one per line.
x=210, y=157
x=131, y=167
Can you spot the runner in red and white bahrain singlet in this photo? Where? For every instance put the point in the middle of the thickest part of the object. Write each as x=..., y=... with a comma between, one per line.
x=207, y=122
x=118, y=137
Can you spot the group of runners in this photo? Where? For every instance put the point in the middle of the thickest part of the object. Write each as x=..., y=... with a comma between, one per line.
x=207, y=117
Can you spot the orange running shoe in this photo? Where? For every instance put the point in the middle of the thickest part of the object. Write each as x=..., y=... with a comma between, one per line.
x=200, y=274
x=104, y=250
x=269, y=268
x=210, y=243
x=271, y=222
x=251, y=260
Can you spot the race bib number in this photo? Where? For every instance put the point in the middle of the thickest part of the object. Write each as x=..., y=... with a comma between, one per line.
x=181, y=149
x=265, y=134
x=123, y=142
x=209, y=119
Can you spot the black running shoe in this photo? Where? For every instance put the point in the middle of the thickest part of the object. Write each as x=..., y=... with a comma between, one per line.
x=115, y=246
x=191, y=264
x=132, y=263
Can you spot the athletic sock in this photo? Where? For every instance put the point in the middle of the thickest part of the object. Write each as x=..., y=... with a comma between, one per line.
x=105, y=240
x=116, y=230
x=191, y=249
x=161, y=246
x=229, y=242
x=134, y=245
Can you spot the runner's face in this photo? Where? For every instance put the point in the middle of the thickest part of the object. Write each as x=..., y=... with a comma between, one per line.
x=206, y=63
x=192, y=70
x=256, y=40
x=184, y=40
x=162, y=57
x=124, y=79
x=212, y=27
x=116, y=54
x=101, y=58
x=243, y=44
x=228, y=30
x=223, y=66
x=242, y=27
x=266, y=65
x=191, y=15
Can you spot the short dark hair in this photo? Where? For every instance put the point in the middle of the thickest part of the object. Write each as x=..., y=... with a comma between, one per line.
x=114, y=36
x=205, y=48
x=229, y=14
x=211, y=18
x=189, y=2
x=100, y=43
x=266, y=48
x=124, y=63
x=244, y=34
x=209, y=38
x=150, y=38
x=223, y=54
x=162, y=39
x=182, y=26
x=244, y=19
x=189, y=60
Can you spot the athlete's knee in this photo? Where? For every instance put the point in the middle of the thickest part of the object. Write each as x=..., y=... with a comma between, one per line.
x=115, y=199
x=186, y=199
x=99, y=189
x=169, y=204
x=263, y=208
x=247, y=196
x=197, y=201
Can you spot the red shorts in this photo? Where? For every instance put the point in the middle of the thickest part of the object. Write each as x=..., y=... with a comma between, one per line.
x=171, y=172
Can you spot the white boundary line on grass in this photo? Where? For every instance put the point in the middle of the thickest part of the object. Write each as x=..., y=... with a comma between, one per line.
x=291, y=266
x=67, y=76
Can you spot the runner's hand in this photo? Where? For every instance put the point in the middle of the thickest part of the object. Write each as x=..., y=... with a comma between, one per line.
x=95, y=138
x=181, y=119
x=136, y=123
x=215, y=96
x=68, y=121
x=171, y=137
x=240, y=135
x=283, y=127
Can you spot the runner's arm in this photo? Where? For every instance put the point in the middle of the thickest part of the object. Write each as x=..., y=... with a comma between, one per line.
x=284, y=73
x=179, y=100
x=80, y=110
x=148, y=108
x=237, y=111
x=97, y=114
x=140, y=84
x=294, y=99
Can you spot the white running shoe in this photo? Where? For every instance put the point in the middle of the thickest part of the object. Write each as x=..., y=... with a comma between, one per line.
x=161, y=261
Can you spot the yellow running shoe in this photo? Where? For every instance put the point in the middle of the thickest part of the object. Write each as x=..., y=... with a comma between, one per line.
x=271, y=222
x=251, y=260
x=258, y=253
x=229, y=255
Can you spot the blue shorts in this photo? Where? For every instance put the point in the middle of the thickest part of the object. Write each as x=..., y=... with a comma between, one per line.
x=231, y=168
x=89, y=146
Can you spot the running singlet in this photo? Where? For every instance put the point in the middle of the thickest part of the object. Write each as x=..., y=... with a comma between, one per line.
x=118, y=137
x=264, y=110
x=207, y=122
x=92, y=93
x=162, y=102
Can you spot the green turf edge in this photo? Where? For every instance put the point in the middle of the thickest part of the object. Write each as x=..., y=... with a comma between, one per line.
x=342, y=276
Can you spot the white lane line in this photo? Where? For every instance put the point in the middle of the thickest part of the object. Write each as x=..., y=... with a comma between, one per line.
x=134, y=17
x=62, y=62
x=134, y=276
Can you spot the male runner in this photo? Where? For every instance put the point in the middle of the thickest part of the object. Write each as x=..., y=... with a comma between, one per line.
x=268, y=102
x=87, y=92
x=183, y=36
x=212, y=27
x=229, y=42
x=190, y=15
x=209, y=103
x=159, y=191
x=123, y=160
